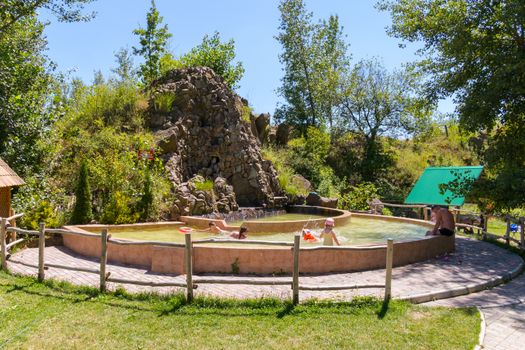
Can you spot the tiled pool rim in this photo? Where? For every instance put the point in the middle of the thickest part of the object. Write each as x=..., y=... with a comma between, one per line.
x=263, y=260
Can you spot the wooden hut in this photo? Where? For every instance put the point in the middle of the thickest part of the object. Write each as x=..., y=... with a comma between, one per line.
x=8, y=180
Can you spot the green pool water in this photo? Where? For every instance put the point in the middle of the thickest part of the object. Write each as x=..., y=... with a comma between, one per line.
x=357, y=231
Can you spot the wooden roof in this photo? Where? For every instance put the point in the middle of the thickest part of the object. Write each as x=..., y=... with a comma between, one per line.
x=8, y=178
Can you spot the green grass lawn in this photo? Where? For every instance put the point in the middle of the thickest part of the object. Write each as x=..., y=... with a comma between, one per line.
x=59, y=316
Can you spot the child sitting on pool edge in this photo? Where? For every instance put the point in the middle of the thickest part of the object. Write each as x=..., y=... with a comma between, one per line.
x=328, y=235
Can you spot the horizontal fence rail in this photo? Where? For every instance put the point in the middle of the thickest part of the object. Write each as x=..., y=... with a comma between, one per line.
x=188, y=246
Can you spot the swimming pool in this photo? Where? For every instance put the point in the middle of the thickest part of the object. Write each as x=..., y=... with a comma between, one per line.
x=360, y=230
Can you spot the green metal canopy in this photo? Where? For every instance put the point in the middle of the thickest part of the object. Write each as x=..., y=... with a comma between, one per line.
x=426, y=190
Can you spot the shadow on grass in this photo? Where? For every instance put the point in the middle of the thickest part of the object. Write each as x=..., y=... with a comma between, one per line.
x=384, y=309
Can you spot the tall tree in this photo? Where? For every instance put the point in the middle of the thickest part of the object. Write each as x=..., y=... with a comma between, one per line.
x=313, y=56
x=153, y=44
x=475, y=51
x=14, y=11
x=25, y=83
x=377, y=103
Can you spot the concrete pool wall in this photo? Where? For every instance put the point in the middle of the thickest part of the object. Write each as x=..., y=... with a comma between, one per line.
x=341, y=217
x=266, y=260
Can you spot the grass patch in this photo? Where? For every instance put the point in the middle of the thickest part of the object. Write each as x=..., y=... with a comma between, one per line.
x=56, y=315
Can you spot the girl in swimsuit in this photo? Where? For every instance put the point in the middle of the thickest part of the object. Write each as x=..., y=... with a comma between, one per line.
x=328, y=235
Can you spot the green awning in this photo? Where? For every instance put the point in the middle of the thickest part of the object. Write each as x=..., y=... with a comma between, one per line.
x=426, y=190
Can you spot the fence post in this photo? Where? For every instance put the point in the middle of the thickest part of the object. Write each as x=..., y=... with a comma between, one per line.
x=485, y=226
x=507, y=231
x=295, y=277
x=189, y=267
x=3, y=251
x=389, y=260
x=522, y=233
x=41, y=246
x=103, y=258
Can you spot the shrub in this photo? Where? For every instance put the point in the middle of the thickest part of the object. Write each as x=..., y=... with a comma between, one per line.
x=119, y=210
x=163, y=101
x=42, y=212
x=206, y=185
x=358, y=197
x=246, y=113
x=82, y=212
x=146, y=201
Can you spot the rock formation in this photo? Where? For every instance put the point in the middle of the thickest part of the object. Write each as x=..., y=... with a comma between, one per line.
x=202, y=129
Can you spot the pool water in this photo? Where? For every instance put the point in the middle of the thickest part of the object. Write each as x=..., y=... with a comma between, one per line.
x=281, y=217
x=357, y=231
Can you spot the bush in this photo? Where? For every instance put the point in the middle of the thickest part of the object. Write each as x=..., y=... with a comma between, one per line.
x=206, y=185
x=146, y=201
x=119, y=210
x=82, y=212
x=358, y=197
x=163, y=101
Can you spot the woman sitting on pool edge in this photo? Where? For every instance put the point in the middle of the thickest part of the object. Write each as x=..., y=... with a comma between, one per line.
x=328, y=235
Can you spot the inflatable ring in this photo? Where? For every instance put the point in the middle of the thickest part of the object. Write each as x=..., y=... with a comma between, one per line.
x=185, y=229
x=309, y=237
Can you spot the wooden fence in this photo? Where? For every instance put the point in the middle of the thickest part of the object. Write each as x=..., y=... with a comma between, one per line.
x=481, y=230
x=190, y=283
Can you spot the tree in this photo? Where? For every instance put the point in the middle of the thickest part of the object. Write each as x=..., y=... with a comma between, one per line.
x=125, y=69
x=14, y=11
x=153, y=44
x=25, y=85
x=146, y=200
x=377, y=103
x=314, y=55
x=475, y=52
x=218, y=56
x=82, y=212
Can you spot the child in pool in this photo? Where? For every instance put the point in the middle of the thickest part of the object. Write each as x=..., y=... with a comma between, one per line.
x=308, y=236
x=241, y=235
x=328, y=235
x=214, y=229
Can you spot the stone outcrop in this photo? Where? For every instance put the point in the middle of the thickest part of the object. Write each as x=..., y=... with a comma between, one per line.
x=201, y=130
x=316, y=200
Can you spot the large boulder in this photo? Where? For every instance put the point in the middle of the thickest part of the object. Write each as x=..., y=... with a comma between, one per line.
x=200, y=129
x=315, y=199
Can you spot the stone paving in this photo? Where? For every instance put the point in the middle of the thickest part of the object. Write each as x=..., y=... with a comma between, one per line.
x=504, y=310
x=473, y=262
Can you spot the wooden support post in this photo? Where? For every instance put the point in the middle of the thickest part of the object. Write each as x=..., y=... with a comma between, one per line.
x=389, y=261
x=425, y=213
x=485, y=225
x=41, y=246
x=295, y=277
x=188, y=258
x=522, y=233
x=103, y=258
x=507, y=230
x=3, y=250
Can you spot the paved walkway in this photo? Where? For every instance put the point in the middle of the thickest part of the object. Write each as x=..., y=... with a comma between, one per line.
x=474, y=262
x=504, y=310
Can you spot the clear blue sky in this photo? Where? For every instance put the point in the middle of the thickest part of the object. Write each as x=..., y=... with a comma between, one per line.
x=86, y=47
